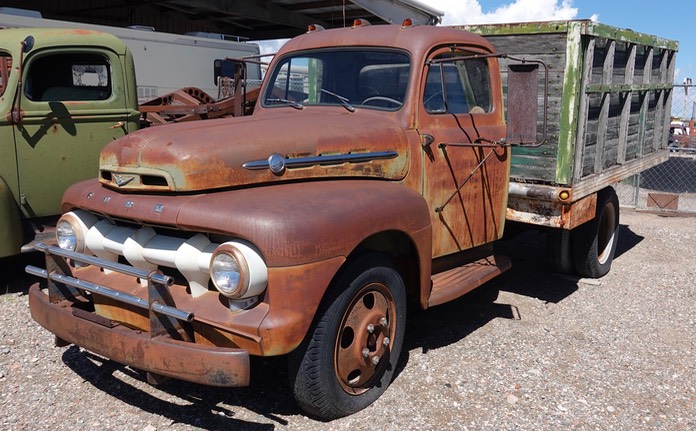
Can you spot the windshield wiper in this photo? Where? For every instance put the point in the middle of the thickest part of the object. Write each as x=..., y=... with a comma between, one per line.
x=343, y=100
x=292, y=103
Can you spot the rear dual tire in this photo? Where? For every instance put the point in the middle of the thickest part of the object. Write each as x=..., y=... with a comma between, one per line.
x=589, y=249
x=594, y=243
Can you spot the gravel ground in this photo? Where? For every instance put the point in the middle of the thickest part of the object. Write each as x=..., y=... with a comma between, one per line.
x=551, y=353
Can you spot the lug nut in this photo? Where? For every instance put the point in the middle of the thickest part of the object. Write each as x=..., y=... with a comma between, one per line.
x=385, y=342
x=375, y=360
x=370, y=328
x=383, y=322
x=365, y=352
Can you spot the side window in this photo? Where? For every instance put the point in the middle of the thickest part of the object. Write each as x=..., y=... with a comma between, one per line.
x=5, y=68
x=459, y=86
x=66, y=77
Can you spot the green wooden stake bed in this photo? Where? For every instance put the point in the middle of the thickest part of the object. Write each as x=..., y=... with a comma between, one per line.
x=608, y=112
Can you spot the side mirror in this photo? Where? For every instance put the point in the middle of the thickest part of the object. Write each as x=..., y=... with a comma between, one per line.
x=523, y=104
x=224, y=68
x=28, y=44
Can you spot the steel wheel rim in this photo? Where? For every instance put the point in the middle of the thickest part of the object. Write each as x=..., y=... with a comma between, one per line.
x=364, y=339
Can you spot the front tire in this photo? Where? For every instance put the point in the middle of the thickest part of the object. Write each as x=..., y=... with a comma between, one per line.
x=350, y=354
x=595, y=241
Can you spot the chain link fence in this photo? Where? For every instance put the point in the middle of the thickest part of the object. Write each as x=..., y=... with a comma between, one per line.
x=670, y=186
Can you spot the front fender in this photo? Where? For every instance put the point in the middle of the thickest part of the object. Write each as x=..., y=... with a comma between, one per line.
x=291, y=223
x=299, y=223
x=11, y=237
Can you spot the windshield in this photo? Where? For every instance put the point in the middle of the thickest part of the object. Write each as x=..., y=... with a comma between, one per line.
x=352, y=78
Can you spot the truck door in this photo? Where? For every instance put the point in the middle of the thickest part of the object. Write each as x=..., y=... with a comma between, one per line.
x=73, y=104
x=465, y=177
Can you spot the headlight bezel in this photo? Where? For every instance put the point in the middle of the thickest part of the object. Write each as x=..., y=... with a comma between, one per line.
x=234, y=253
x=79, y=224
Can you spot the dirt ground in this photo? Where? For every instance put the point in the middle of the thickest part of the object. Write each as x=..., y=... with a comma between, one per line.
x=552, y=352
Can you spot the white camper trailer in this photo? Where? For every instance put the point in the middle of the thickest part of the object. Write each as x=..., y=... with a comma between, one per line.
x=164, y=62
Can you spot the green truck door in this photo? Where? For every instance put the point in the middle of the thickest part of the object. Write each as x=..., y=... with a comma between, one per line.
x=73, y=103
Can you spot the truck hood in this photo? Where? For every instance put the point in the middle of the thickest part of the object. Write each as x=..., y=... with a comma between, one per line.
x=231, y=152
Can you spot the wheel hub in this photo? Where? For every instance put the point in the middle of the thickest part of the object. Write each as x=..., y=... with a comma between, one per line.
x=363, y=345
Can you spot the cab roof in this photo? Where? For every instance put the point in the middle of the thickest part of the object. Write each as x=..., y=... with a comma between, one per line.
x=416, y=38
x=11, y=38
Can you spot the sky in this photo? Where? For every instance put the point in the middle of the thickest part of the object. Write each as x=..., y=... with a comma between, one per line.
x=667, y=18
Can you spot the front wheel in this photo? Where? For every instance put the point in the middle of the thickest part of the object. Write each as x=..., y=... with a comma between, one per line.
x=350, y=355
x=595, y=242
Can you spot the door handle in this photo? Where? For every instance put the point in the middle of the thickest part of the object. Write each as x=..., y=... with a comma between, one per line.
x=117, y=125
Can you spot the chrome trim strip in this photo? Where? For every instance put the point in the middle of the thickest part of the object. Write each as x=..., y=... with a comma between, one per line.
x=303, y=162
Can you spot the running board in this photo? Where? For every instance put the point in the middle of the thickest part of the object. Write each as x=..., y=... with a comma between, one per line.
x=453, y=283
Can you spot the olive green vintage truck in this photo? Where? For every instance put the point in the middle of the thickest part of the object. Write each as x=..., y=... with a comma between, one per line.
x=374, y=171
x=64, y=94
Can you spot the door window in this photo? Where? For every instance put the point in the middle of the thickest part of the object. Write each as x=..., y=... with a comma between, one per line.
x=457, y=86
x=68, y=77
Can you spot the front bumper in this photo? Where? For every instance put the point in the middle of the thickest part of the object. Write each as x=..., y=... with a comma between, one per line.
x=161, y=355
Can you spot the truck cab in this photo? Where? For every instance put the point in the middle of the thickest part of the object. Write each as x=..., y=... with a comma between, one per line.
x=64, y=94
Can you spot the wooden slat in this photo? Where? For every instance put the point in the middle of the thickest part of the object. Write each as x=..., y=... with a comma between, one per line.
x=647, y=69
x=626, y=108
x=607, y=74
x=658, y=124
x=584, y=109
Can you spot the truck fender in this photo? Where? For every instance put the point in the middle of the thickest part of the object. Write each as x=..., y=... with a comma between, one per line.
x=305, y=232
x=11, y=234
x=308, y=231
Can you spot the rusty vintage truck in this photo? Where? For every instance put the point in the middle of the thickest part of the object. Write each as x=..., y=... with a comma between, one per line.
x=373, y=171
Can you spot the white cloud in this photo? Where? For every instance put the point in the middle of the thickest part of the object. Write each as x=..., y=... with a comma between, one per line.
x=270, y=46
x=471, y=12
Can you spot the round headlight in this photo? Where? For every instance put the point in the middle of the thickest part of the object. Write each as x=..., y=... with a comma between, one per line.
x=229, y=272
x=72, y=228
x=65, y=235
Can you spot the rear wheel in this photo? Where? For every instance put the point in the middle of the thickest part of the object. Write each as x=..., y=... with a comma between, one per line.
x=350, y=355
x=558, y=244
x=594, y=243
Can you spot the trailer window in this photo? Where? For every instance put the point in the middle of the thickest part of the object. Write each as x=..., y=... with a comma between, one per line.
x=460, y=86
x=375, y=79
x=66, y=77
x=5, y=68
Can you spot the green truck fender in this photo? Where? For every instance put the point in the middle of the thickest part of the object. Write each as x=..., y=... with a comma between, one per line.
x=11, y=234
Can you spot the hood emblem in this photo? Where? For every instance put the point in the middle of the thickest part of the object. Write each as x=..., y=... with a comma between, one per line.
x=276, y=163
x=122, y=180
